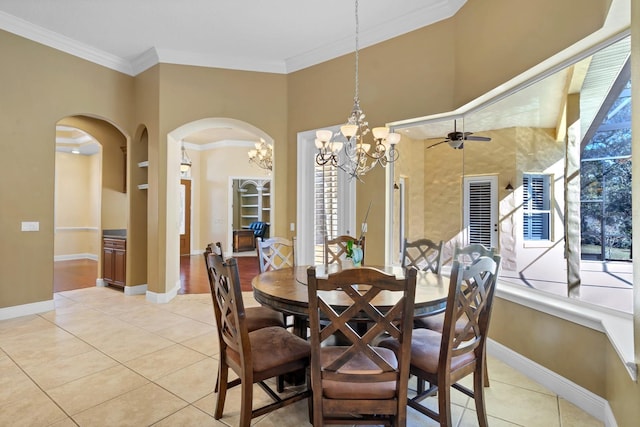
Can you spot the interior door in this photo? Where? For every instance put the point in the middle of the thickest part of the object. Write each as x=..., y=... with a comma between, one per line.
x=481, y=210
x=185, y=217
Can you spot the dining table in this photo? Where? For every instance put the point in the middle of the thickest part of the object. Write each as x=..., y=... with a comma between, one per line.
x=285, y=290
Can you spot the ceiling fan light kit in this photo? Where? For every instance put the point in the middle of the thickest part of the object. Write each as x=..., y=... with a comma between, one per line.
x=456, y=139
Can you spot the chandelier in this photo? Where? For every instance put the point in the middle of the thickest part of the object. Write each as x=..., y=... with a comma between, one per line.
x=185, y=161
x=358, y=157
x=262, y=155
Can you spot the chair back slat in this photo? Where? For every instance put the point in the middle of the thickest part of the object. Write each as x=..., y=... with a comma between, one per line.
x=423, y=254
x=228, y=306
x=468, y=254
x=336, y=249
x=356, y=358
x=275, y=253
x=469, y=302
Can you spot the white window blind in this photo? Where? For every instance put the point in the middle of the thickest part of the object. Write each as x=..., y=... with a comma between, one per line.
x=480, y=219
x=325, y=208
x=536, y=207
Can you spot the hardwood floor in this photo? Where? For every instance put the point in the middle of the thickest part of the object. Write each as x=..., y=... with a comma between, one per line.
x=77, y=274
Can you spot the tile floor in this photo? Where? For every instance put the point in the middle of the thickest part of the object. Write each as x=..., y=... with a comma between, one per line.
x=105, y=359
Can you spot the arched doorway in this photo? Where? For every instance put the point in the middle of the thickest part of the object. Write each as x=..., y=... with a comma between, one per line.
x=90, y=196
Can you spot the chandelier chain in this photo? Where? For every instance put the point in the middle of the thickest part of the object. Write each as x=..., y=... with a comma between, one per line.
x=357, y=50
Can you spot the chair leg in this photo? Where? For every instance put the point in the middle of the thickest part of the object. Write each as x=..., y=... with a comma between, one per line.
x=444, y=404
x=486, y=373
x=223, y=377
x=246, y=403
x=478, y=397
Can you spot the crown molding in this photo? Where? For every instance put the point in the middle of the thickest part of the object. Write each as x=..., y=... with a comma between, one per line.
x=404, y=24
x=54, y=40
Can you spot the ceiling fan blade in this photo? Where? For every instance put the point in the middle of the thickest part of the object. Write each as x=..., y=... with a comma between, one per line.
x=437, y=143
x=478, y=138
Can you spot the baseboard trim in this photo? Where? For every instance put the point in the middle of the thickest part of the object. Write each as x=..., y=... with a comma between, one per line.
x=73, y=257
x=26, y=309
x=135, y=290
x=589, y=402
x=158, y=298
x=101, y=283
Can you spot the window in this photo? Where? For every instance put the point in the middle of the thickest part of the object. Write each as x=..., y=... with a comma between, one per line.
x=536, y=206
x=325, y=208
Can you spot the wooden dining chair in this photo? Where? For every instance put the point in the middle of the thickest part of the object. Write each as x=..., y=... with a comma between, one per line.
x=443, y=359
x=256, y=317
x=336, y=249
x=358, y=382
x=254, y=357
x=423, y=254
x=465, y=255
x=275, y=253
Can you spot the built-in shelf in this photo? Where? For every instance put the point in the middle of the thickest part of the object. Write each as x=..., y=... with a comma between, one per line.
x=144, y=164
x=143, y=186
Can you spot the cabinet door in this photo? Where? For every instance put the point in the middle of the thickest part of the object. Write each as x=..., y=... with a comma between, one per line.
x=119, y=267
x=108, y=261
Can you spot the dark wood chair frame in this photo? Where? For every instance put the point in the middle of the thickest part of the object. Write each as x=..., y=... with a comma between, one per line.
x=361, y=285
x=234, y=338
x=423, y=254
x=336, y=249
x=471, y=294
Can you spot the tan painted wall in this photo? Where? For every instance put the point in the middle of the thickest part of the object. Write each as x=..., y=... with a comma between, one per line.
x=216, y=166
x=77, y=204
x=40, y=87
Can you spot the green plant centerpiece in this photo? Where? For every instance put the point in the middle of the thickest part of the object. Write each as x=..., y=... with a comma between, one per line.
x=355, y=253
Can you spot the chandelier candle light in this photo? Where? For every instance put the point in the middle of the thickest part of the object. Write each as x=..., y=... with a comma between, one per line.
x=359, y=157
x=262, y=155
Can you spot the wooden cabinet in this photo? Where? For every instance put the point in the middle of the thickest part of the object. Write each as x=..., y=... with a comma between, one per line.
x=243, y=240
x=114, y=258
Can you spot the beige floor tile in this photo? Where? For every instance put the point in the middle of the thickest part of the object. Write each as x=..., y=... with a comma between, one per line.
x=415, y=418
x=295, y=415
x=521, y=406
x=33, y=341
x=187, y=417
x=15, y=385
x=141, y=407
x=164, y=361
x=205, y=344
x=470, y=419
x=184, y=330
x=19, y=326
x=127, y=343
x=56, y=372
x=46, y=354
x=67, y=422
x=31, y=409
x=572, y=416
x=499, y=371
x=231, y=413
x=86, y=392
x=192, y=382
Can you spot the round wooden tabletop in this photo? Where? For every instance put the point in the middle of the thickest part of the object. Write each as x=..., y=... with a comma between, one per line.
x=286, y=290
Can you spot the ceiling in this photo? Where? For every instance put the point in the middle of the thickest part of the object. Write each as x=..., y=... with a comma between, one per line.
x=271, y=36
x=283, y=36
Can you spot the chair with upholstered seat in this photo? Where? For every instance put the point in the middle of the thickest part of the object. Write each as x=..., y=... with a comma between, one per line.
x=256, y=317
x=275, y=253
x=357, y=382
x=254, y=356
x=336, y=249
x=465, y=255
x=443, y=359
x=423, y=254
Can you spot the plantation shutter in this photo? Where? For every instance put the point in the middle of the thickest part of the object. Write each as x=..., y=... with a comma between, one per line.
x=326, y=208
x=480, y=220
x=536, y=207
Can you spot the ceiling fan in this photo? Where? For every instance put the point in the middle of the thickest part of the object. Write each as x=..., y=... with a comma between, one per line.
x=456, y=139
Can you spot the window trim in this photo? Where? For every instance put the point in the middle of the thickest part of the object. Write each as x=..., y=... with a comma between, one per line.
x=549, y=179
